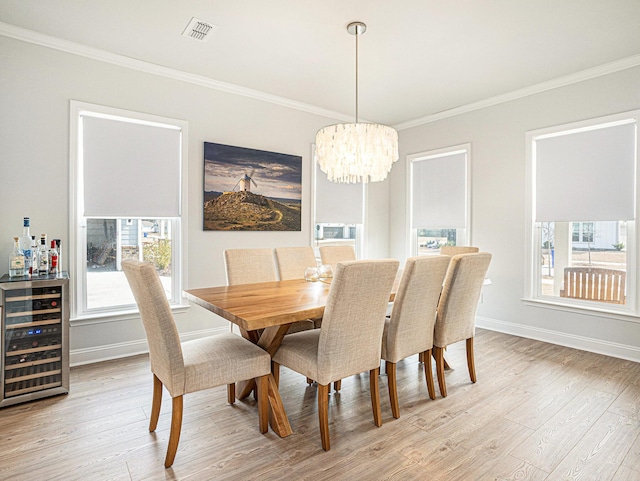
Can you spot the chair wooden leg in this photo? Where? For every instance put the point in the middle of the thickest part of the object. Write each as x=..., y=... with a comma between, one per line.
x=470, y=360
x=421, y=357
x=231, y=393
x=375, y=396
x=309, y=381
x=439, y=355
x=275, y=370
x=428, y=373
x=155, y=403
x=262, y=387
x=176, y=426
x=323, y=415
x=337, y=385
x=393, y=388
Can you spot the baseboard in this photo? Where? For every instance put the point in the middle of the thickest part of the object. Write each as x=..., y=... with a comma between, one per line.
x=108, y=352
x=621, y=351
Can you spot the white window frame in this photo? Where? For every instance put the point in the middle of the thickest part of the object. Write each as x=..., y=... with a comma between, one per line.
x=412, y=238
x=360, y=228
x=77, y=222
x=533, y=234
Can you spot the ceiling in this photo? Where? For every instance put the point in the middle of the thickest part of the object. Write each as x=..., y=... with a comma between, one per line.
x=417, y=58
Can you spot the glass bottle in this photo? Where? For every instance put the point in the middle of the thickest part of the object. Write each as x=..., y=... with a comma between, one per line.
x=25, y=247
x=34, y=256
x=59, y=249
x=53, y=259
x=16, y=260
x=43, y=256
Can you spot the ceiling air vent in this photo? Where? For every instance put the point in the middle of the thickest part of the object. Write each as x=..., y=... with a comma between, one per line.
x=199, y=30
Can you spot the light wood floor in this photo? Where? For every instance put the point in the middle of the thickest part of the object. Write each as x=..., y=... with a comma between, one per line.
x=537, y=412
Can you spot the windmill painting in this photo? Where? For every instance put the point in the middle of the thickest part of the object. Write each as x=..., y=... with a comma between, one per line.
x=251, y=190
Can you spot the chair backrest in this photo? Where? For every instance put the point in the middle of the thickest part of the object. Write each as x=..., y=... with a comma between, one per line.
x=292, y=261
x=595, y=284
x=457, y=250
x=353, y=322
x=333, y=254
x=165, y=352
x=456, y=313
x=413, y=315
x=247, y=266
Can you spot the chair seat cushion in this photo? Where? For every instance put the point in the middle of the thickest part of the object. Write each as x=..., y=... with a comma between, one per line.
x=299, y=352
x=222, y=359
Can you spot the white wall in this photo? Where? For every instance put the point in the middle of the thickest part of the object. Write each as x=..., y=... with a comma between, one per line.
x=37, y=84
x=497, y=136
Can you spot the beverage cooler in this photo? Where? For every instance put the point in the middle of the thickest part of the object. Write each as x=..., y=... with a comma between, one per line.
x=35, y=337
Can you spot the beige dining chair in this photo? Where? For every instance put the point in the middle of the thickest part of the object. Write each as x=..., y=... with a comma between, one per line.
x=409, y=330
x=333, y=254
x=456, y=313
x=193, y=365
x=456, y=250
x=292, y=261
x=249, y=266
x=350, y=339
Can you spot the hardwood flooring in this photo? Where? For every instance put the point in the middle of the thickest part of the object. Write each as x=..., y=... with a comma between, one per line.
x=538, y=412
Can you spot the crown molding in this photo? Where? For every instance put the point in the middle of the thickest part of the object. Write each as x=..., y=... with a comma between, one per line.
x=74, y=48
x=67, y=46
x=587, y=74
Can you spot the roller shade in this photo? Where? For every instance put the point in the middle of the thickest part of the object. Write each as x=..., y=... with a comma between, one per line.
x=586, y=175
x=130, y=169
x=439, y=192
x=338, y=203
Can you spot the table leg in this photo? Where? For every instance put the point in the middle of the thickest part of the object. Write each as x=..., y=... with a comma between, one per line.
x=244, y=388
x=269, y=340
x=277, y=415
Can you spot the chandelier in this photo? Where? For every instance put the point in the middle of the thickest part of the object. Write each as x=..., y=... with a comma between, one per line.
x=360, y=151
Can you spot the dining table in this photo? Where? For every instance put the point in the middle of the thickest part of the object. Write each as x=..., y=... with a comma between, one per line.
x=263, y=313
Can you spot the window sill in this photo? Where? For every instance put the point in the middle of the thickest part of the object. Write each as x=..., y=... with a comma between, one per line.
x=119, y=315
x=596, y=311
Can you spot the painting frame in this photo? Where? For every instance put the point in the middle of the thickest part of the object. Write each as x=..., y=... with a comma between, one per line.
x=247, y=189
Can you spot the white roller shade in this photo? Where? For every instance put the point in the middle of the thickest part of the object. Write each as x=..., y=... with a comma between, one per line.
x=130, y=169
x=439, y=191
x=338, y=203
x=586, y=175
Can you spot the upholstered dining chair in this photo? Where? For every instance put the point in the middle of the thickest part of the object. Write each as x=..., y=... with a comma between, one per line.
x=350, y=339
x=456, y=250
x=193, y=365
x=456, y=313
x=333, y=254
x=409, y=330
x=292, y=261
x=248, y=266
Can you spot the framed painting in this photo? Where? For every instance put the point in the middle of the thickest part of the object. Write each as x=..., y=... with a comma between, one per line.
x=251, y=190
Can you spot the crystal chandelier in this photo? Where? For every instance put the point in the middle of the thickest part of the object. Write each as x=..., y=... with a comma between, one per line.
x=357, y=152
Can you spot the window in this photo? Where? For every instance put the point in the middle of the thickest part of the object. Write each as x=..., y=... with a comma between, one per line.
x=127, y=203
x=338, y=212
x=438, y=199
x=583, y=184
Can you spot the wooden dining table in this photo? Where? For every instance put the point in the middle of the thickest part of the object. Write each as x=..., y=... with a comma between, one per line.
x=263, y=312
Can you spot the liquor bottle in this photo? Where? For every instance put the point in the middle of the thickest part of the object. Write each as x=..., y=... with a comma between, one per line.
x=34, y=256
x=43, y=256
x=53, y=258
x=25, y=247
x=59, y=249
x=16, y=260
